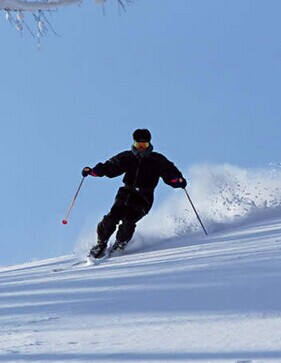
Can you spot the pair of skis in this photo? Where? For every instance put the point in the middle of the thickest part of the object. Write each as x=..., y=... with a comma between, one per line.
x=89, y=261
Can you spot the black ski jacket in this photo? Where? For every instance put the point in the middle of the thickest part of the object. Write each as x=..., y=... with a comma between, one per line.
x=142, y=174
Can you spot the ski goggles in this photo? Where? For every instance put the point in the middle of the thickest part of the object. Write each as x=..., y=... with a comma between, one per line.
x=141, y=144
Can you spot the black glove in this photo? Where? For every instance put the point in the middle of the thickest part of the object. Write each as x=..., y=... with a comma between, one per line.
x=177, y=182
x=98, y=170
x=95, y=171
x=86, y=171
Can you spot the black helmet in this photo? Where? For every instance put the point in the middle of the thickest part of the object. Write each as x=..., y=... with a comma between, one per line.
x=142, y=135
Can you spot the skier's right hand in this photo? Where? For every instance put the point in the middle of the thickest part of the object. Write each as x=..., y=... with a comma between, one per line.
x=87, y=171
x=97, y=170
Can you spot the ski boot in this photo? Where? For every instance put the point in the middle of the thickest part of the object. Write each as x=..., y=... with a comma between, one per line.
x=97, y=251
x=118, y=246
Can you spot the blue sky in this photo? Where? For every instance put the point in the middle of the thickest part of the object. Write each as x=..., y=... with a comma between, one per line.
x=203, y=76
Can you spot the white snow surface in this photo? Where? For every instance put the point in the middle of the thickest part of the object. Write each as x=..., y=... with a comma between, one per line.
x=174, y=296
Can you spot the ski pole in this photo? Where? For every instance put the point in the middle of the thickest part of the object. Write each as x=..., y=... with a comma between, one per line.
x=188, y=197
x=64, y=221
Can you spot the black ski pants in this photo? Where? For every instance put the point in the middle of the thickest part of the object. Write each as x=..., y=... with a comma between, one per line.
x=129, y=207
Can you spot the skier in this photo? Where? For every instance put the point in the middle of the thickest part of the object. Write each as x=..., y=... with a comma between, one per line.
x=142, y=168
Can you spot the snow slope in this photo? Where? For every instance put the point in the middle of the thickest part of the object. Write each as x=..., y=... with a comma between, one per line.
x=175, y=296
x=189, y=299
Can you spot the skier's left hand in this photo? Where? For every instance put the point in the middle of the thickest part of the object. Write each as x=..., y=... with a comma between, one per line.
x=178, y=183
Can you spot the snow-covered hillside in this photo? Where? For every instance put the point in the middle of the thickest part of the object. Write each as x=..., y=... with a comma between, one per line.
x=175, y=296
x=188, y=299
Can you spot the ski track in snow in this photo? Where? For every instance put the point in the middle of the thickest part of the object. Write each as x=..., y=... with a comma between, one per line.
x=196, y=299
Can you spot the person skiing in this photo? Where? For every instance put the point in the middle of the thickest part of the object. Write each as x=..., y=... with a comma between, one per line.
x=142, y=168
